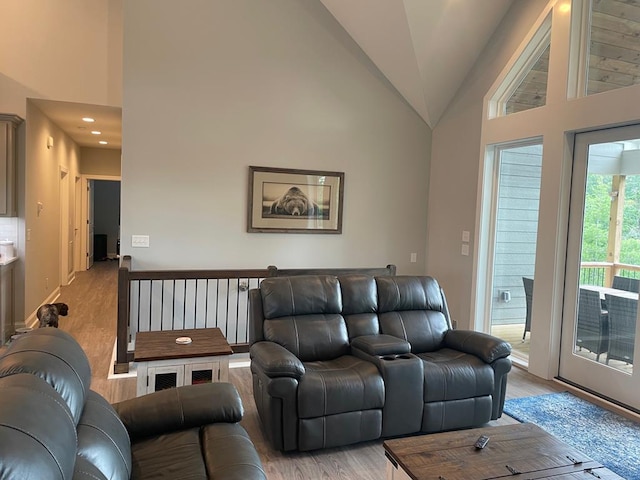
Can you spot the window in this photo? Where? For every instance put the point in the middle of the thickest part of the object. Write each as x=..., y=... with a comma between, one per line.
x=525, y=84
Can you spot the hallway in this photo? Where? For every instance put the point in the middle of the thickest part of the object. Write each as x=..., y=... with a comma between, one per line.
x=92, y=299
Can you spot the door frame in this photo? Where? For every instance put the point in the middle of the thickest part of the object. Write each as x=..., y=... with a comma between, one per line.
x=85, y=209
x=594, y=377
x=65, y=220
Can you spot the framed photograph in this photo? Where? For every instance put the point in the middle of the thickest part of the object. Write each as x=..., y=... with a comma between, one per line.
x=294, y=201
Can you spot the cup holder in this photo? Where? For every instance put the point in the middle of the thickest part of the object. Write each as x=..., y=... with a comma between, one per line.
x=403, y=356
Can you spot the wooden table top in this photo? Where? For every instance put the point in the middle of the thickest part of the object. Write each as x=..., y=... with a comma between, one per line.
x=523, y=448
x=206, y=342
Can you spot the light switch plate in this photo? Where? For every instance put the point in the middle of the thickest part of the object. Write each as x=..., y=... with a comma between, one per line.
x=140, y=241
x=466, y=235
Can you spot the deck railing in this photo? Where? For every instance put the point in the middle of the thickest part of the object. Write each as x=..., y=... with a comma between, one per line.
x=602, y=273
x=151, y=300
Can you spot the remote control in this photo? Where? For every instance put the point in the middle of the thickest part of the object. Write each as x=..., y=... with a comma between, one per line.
x=482, y=441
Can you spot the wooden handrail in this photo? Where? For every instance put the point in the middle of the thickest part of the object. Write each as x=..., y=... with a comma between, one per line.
x=126, y=275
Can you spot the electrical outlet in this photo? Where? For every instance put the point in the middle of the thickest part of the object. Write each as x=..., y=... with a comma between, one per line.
x=414, y=257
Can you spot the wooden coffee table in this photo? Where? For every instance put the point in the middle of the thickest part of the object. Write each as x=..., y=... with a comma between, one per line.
x=162, y=363
x=522, y=451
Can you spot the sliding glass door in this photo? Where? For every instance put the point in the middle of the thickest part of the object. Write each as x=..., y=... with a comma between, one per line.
x=516, y=198
x=600, y=320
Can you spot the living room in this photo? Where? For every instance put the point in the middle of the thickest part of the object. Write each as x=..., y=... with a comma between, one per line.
x=212, y=88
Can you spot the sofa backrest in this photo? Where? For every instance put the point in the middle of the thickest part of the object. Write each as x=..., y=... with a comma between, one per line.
x=359, y=304
x=98, y=446
x=316, y=316
x=55, y=356
x=303, y=314
x=37, y=430
x=413, y=308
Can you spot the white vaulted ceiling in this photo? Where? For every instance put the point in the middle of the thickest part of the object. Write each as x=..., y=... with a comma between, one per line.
x=425, y=48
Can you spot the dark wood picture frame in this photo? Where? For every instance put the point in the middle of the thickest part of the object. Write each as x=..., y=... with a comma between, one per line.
x=283, y=200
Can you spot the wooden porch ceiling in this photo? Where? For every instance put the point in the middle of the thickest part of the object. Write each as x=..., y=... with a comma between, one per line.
x=614, y=59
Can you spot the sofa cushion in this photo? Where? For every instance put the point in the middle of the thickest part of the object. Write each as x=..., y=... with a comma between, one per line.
x=408, y=293
x=103, y=440
x=425, y=330
x=175, y=455
x=453, y=375
x=310, y=337
x=37, y=430
x=301, y=295
x=345, y=384
x=359, y=304
x=56, y=357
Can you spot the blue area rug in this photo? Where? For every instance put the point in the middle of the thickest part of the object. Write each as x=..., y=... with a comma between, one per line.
x=606, y=437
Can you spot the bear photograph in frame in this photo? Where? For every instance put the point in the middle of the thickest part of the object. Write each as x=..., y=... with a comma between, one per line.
x=294, y=201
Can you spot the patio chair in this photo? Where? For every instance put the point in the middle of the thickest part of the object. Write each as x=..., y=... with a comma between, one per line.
x=622, y=328
x=593, y=323
x=528, y=295
x=626, y=283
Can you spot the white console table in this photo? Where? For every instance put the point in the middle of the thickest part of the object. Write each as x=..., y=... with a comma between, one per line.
x=162, y=363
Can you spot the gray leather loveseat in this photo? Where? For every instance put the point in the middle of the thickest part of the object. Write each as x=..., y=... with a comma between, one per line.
x=343, y=359
x=52, y=426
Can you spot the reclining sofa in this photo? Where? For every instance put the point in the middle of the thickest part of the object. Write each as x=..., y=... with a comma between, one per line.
x=337, y=360
x=52, y=426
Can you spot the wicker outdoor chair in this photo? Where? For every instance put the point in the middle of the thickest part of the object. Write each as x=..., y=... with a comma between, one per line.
x=528, y=295
x=626, y=283
x=622, y=328
x=593, y=327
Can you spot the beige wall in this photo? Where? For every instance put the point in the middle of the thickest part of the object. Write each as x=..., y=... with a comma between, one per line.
x=279, y=84
x=42, y=239
x=59, y=50
x=100, y=161
x=67, y=50
x=455, y=162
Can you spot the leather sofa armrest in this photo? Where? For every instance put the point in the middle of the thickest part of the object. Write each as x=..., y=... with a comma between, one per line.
x=179, y=408
x=381, y=345
x=276, y=361
x=484, y=346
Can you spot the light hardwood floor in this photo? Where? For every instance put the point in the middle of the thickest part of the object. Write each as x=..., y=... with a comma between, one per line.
x=92, y=321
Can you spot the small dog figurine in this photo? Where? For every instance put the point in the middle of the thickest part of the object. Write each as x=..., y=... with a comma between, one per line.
x=48, y=314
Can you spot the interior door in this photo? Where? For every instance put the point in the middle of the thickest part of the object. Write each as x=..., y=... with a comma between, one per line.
x=600, y=317
x=90, y=223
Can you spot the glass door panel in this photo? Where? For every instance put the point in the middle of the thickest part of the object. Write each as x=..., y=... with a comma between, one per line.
x=600, y=317
x=518, y=169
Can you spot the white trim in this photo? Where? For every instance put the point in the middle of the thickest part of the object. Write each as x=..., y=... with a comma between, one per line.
x=520, y=63
x=579, y=49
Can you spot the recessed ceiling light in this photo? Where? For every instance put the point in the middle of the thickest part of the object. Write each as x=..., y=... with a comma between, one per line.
x=102, y=142
x=88, y=119
x=96, y=132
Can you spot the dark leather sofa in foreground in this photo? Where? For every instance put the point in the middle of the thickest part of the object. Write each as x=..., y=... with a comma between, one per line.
x=52, y=426
x=344, y=359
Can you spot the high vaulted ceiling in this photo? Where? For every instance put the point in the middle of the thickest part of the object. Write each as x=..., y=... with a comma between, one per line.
x=425, y=48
